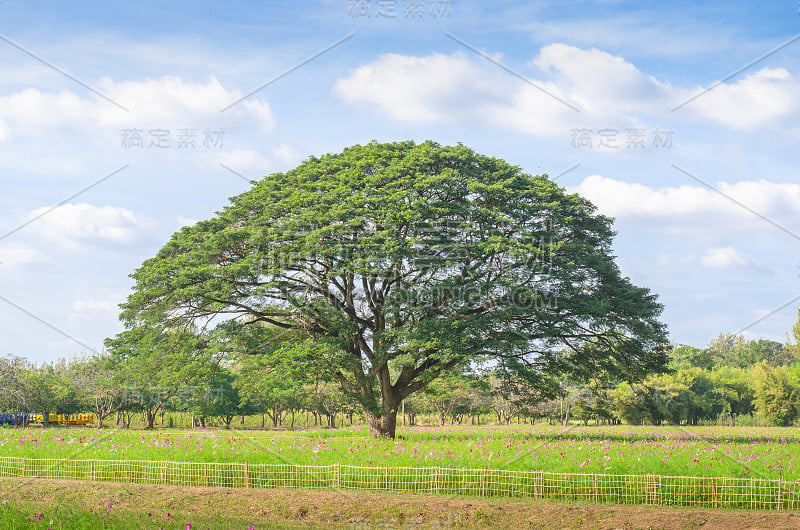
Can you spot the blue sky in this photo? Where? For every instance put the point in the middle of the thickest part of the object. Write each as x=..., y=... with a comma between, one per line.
x=706, y=197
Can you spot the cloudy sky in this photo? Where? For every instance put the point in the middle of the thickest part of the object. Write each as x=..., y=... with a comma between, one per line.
x=118, y=126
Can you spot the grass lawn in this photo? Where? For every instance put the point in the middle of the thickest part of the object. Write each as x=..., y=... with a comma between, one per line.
x=752, y=452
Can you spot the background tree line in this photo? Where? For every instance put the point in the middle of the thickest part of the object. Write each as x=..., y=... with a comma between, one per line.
x=731, y=380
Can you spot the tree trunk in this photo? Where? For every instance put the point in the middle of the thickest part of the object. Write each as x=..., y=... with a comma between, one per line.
x=151, y=419
x=383, y=426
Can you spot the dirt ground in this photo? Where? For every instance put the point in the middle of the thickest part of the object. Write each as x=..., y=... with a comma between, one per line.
x=366, y=510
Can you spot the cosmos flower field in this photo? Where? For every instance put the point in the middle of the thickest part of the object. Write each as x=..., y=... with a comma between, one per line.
x=746, y=452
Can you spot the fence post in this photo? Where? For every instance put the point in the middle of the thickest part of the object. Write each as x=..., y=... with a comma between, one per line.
x=166, y=464
x=714, y=490
x=337, y=477
x=205, y=472
x=780, y=495
x=246, y=475
x=91, y=470
x=483, y=484
x=657, y=488
x=596, y=493
x=436, y=478
x=24, y=466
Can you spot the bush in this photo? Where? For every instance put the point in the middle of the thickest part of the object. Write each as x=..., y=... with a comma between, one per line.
x=748, y=420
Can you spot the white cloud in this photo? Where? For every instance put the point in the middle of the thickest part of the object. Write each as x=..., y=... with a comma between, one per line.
x=603, y=84
x=71, y=224
x=766, y=97
x=751, y=335
x=624, y=199
x=185, y=221
x=286, y=156
x=664, y=260
x=608, y=90
x=166, y=103
x=645, y=35
x=94, y=305
x=91, y=308
x=15, y=255
x=726, y=258
x=244, y=160
x=452, y=88
x=255, y=165
x=416, y=89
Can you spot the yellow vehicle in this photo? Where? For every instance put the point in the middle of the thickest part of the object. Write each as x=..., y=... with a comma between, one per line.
x=67, y=419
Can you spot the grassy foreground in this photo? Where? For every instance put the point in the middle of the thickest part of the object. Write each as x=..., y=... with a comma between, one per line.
x=54, y=504
x=746, y=452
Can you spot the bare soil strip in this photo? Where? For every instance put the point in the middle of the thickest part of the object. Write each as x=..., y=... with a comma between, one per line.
x=357, y=509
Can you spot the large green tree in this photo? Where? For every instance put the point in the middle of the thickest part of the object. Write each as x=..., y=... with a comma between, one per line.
x=392, y=264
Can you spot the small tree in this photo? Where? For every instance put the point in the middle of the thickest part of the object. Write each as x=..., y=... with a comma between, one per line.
x=99, y=392
x=155, y=363
x=445, y=395
x=511, y=395
x=270, y=388
x=777, y=394
x=13, y=380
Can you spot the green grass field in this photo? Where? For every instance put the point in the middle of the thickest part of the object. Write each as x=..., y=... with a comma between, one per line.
x=745, y=452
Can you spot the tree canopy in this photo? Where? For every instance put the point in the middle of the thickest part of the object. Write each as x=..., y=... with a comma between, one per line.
x=388, y=265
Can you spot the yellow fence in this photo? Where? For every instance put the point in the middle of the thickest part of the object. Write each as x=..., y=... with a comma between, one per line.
x=702, y=492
